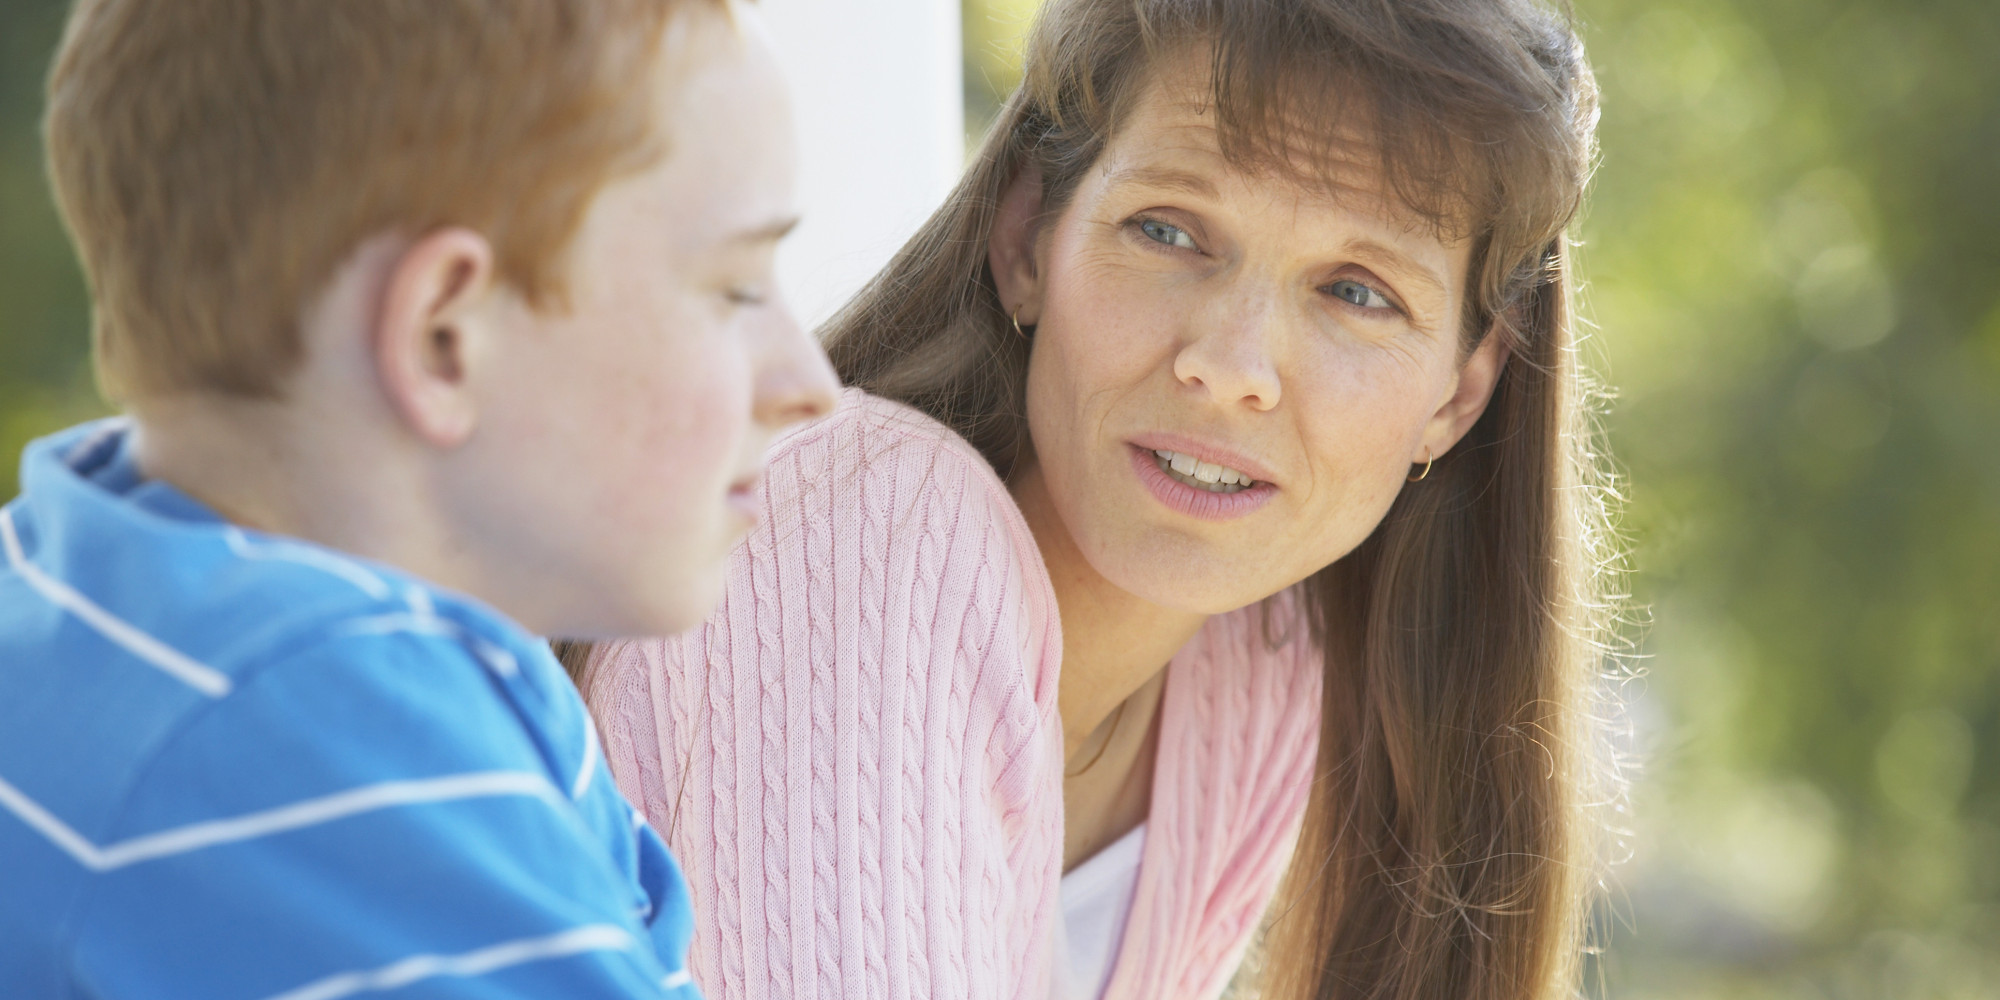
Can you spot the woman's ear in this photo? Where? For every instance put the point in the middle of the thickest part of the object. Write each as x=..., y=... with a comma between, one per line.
x=425, y=338
x=1011, y=249
x=1471, y=391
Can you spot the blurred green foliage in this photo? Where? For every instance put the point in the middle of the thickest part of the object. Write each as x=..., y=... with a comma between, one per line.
x=45, y=381
x=1792, y=260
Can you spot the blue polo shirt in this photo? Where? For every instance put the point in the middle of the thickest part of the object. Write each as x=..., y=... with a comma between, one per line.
x=234, y=765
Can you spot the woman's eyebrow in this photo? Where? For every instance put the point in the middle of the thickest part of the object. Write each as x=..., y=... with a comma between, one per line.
x=1387, y=255
x=1396, y=260
x=1167, y=178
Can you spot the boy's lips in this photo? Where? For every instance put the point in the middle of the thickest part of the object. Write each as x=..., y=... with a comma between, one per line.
x=744, y=496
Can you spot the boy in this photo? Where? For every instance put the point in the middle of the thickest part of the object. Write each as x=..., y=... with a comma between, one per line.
x=393, y=293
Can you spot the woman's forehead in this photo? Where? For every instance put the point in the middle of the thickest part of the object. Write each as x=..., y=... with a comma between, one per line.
x=1171, y=136
x=1319, y=128
x=1170, y=144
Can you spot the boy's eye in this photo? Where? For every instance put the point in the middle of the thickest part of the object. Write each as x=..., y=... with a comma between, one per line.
x=1356, y=293
x=1173, y=236
x=745, y=296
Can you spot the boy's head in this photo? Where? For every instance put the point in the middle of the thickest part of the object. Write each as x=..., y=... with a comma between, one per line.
x=484, y=288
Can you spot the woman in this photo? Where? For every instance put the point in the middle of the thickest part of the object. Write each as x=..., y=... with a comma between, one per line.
x=1210, y=506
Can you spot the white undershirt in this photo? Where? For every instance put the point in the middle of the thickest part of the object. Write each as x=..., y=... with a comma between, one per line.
x=1096, y=900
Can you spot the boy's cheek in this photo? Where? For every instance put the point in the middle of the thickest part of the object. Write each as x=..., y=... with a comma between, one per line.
x=696, y=415
x=625, y=435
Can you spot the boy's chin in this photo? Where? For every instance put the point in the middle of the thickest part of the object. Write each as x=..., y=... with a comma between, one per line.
x=636, y=592
x=682, y=607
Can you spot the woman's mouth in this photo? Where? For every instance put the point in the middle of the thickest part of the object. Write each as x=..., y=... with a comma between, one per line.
x=1189, y=471
x=1208, y=491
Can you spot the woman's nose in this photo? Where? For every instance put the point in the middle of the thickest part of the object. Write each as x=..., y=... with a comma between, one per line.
x=1231, y=353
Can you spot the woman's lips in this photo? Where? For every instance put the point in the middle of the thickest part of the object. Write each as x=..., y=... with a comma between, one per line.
x=1202, y=450
x=1193, y=501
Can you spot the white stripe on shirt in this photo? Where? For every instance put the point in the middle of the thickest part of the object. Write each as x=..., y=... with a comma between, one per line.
x=588, y=768
x=494, y=658
x=274, y=549
x=400, y=621
x=45, y=823
x=419, y=600
x=590, y=937
x=121, y=633
x=297, y=816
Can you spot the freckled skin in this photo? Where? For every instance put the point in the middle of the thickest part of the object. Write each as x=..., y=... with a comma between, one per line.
x=1233, y=330
x=675, y=366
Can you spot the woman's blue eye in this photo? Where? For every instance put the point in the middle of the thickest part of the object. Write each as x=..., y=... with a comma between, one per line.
x=1359, y=294
x=1160, y=232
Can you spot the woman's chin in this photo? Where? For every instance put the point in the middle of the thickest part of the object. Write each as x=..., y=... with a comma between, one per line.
x=1189, y=580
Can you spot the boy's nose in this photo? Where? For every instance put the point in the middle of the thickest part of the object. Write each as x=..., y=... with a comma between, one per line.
x=797, y=382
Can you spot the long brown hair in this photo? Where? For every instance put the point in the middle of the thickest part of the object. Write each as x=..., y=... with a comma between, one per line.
x=1448, y=849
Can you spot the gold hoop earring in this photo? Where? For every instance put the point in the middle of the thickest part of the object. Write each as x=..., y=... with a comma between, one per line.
x=1016, y=317
x=1428, y=459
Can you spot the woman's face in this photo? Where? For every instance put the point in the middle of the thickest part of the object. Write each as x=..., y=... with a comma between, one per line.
x=1232, y=373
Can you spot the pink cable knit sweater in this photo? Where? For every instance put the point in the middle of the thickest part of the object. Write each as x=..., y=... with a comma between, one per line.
x=858, y=758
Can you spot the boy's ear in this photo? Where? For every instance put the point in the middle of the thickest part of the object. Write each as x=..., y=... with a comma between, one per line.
x=1010, y=252
x=423, y=341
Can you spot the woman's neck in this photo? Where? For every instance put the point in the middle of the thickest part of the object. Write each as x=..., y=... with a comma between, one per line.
x=1114, y=643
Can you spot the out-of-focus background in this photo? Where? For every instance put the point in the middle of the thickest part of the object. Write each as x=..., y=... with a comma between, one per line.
x=1792, y=265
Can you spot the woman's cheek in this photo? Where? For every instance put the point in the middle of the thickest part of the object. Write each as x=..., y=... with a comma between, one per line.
x=1116, y=300
x=1359, y=436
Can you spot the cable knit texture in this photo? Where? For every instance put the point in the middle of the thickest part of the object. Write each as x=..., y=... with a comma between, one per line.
x=858, y=758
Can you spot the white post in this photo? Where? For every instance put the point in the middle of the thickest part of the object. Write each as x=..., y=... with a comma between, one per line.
x=877, y=91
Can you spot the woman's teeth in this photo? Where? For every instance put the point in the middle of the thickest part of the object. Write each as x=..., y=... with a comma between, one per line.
x=1201, y=475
